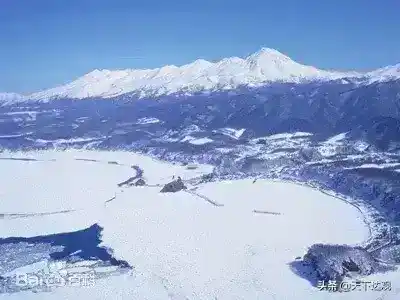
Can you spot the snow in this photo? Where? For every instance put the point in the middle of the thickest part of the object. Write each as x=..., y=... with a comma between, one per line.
x=196, y=141
x=191, y=129
x=200, y=141
x=187, y=138
x=260, y=68
x=61, y=142
x=330, y=146
x=361, y=145
x=230, y=250
x=148, y=120
x=384, y=74
x=30, y=113
x=231, y=132
x=266, y=65
x=14, y=135
x=180, y=245
x=224, y=150
x=327, y=150
x=43, y=197
x=337, y=138
x=377, y=166
x=288, y=135
x=7, y=98
x=292, y=140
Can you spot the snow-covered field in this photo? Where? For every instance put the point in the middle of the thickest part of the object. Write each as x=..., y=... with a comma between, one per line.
x=179, y=245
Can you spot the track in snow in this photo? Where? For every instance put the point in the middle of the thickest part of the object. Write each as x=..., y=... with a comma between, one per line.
x=29, y=215
x=266, y=212
x=204, y=198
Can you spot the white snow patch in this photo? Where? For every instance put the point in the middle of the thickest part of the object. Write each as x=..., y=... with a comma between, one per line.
x=191, y=129
x=60, y=142
x=378, y=166
x=231, y=132
x=30, y=113
x=329, y=147
x=201, y=141
x=187, y=138
x=337, y=138
x=15, y=135
x=196, y=141
x=224, y=150
x=288, y=135
x=148, y=120
x=384, y=74
x=327, y=150
x=361, y=146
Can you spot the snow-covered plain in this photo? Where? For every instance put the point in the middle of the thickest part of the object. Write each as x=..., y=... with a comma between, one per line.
x=179, y=245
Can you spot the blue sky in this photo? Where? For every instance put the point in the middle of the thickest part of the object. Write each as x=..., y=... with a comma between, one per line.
x=44, y=43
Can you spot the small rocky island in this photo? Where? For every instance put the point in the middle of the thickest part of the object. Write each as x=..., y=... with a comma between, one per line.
x=174, y=186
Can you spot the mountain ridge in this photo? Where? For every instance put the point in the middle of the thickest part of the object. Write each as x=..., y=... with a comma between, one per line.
x=10, y=97
x=260, y=68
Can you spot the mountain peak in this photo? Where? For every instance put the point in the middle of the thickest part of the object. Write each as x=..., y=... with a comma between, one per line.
x=386, y=73
x=268, y=51
x=97, y=73
x=268, y=54
x=199, y=64
x=269, y=61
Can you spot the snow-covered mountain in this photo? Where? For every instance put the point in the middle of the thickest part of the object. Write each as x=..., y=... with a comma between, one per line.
x=266, y=65
x=260, y=68
x=384, y=74
x=10, y=97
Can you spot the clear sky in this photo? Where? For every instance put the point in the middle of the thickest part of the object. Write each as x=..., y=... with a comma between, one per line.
x=44, y=43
